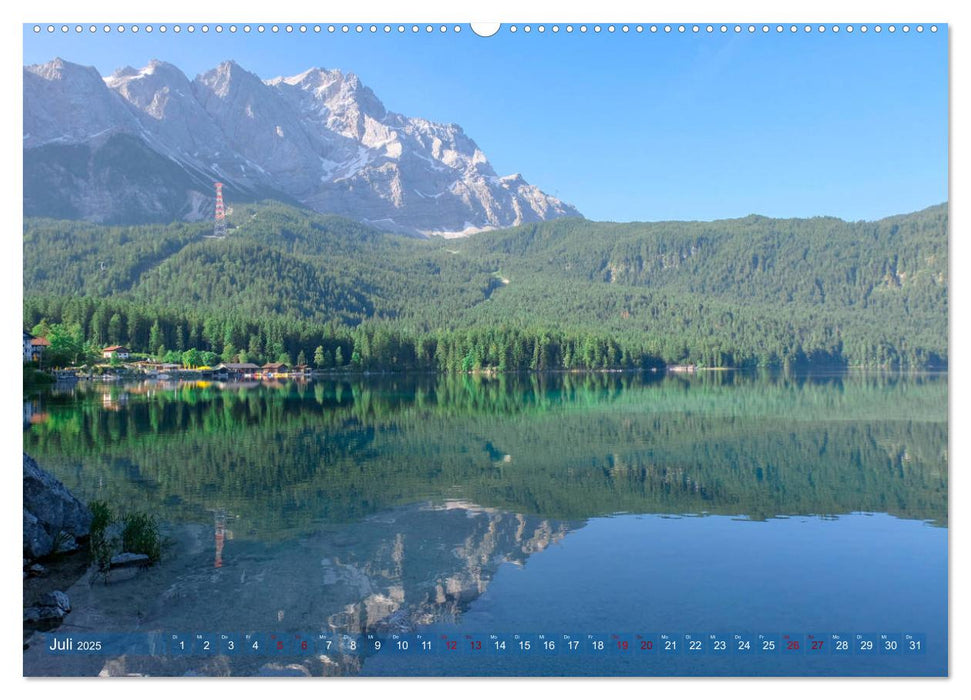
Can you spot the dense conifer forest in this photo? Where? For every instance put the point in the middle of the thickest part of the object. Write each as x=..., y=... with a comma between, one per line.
x=290, y=285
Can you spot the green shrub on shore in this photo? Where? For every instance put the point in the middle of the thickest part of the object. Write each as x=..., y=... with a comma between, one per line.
x=102, y=516
x=139, y=535
x=100, y=544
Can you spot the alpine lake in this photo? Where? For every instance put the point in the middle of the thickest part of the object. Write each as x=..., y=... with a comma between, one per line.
x=612, y=507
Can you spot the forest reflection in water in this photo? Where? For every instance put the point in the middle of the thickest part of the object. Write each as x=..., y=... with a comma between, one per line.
x=287, y=456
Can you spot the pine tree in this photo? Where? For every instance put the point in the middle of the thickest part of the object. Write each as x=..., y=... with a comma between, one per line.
x=155, y=336
x=115, y=329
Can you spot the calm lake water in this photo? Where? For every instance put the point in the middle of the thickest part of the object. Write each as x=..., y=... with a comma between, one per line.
x=613, y=508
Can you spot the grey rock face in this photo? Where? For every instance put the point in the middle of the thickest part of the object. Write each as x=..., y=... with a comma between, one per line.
x=65, y=103
x=320, y=138
x=37, y=542
x=52, y=515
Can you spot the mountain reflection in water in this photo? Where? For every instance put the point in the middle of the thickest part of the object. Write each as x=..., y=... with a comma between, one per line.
x=399, y=571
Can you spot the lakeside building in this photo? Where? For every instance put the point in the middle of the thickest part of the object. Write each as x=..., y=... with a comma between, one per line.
x=237, y=369
x=152, y=366
x=116, y=351
x=34, y=347
x=275, y=369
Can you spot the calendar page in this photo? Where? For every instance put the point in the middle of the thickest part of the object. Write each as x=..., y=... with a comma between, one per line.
x=610, y=349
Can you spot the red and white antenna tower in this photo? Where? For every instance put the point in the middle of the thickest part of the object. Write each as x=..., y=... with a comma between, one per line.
x=219, y=231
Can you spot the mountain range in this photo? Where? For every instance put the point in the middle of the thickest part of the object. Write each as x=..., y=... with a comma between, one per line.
x=145, y=146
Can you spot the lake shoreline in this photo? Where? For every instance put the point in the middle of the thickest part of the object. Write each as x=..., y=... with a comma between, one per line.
x=669, y=370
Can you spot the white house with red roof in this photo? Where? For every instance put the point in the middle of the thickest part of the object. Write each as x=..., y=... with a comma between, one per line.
x=113, y=351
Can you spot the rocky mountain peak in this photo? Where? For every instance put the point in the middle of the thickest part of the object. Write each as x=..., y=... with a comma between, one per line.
x=66, y=103
x=320, y=137
x=228, y=78
x=333, y=92
x=314, y=78
x=59, y=69
x=140, y=85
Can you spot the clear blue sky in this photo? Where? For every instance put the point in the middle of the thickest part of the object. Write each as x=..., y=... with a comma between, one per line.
x=636, y=126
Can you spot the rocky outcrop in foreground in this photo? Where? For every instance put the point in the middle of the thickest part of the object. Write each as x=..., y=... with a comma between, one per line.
x=49, y=610
x=53, y=518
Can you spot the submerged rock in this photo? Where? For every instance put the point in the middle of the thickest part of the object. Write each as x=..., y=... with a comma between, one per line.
x=53, y=517
x=125, y=566
x=127, y=559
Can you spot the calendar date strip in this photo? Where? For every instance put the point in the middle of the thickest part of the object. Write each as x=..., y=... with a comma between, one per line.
x=425, y=643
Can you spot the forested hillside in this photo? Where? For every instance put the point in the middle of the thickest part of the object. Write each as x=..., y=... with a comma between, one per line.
x=556, y=295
